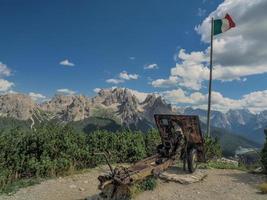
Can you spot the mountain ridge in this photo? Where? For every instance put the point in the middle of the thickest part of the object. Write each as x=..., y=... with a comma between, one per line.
x=126, y=109
x=241, y=122
x=119, y=104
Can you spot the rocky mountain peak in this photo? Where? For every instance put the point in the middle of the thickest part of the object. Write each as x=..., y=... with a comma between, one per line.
x=242, y=116
x=18, y=106
x=108, y=97
x=121, y=104
x=68, y=107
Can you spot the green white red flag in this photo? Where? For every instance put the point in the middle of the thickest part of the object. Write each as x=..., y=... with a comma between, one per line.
x=222, y=25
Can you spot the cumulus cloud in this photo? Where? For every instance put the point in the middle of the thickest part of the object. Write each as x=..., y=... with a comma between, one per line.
x=67, y=63
x=126, y=76
x=141, y=96
x=151, y=66
x=5, y=85
x=4, y=70
x=172, y=81
x=254, y=101
x=238, y=53
x=37, y=96
x=190, y=72
x=123, y=76
x=241, y=51
x=66, y=91
x=114, y=81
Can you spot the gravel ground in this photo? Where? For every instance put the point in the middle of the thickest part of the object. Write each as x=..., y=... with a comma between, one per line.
x=219, y=185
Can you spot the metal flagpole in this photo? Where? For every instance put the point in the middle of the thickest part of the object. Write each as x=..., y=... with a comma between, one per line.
x=210, y=81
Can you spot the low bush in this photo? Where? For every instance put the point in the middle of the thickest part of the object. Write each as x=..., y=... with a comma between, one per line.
x=52, y=149
x=149, y=183
x=212, y=148
x=263, y=188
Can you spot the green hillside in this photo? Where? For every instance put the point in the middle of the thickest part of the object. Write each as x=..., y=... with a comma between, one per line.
x=230, y=142
x=96, y=123
x=7, y=123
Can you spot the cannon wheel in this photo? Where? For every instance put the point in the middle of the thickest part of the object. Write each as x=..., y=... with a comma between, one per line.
x=192, y=160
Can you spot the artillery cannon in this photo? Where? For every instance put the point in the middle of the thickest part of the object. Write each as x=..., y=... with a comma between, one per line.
x=181, y=139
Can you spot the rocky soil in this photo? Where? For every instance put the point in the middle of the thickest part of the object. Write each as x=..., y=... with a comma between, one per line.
x=219, y=185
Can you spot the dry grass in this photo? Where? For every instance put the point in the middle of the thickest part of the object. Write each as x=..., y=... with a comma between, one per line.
x=263, y=188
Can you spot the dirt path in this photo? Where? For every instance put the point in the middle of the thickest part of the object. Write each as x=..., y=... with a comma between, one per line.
x=219, y=185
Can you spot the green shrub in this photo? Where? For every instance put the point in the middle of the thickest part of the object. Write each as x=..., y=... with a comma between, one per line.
x=148, y=184
x=152, y=140
x=53, y=149
x=212, y=148
x=263, y=188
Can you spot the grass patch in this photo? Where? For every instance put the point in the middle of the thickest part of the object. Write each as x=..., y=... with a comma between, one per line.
x=16, y=185
x=263, y=188
x=148, y=184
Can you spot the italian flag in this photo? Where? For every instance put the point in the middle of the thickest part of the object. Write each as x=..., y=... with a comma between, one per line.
x=222, y=25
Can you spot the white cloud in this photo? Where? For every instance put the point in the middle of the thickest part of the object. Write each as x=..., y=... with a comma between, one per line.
x=66, y=91
x=67, y=63
x=126, y=76
x=114, y=81
x=4, y=70
x=190, y=72
x=151, y=66
x=5, y=85
x=172, y=81
x=37, y=97
x=238, y=53
x=123, y=76
x=132, y=58
x=241, y=50
x=96, y=90
x=141, y=96
x=254, y=101
x=201, y=12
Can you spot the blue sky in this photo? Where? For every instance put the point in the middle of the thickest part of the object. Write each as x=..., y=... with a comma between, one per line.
x=103, y=39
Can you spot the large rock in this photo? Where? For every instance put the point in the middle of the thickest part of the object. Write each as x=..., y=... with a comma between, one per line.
x=176, y=174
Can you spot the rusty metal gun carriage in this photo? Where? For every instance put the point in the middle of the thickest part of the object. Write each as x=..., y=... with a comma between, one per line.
x=181, y=139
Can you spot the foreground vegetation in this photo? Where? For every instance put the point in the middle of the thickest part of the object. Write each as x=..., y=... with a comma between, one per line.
x=52, y=150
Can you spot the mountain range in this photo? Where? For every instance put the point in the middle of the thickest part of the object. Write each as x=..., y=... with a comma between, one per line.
x=121, y=107
x=119, y=104
x=241, y=122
